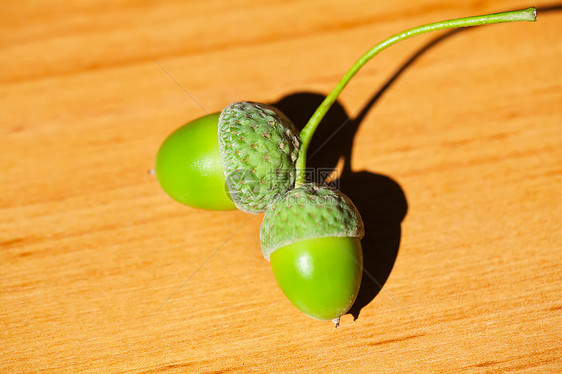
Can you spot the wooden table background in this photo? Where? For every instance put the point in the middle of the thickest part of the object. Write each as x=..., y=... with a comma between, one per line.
x=457, y=169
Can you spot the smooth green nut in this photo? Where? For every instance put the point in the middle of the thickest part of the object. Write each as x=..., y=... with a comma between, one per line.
x=189, y=166
x=311, y=235
x=259, y=147
x=321, y=277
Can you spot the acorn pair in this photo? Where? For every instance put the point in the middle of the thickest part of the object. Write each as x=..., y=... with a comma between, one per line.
x=245, y=158
x=309, y=233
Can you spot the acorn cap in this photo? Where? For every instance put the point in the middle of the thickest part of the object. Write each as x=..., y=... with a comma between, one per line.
x=259, y=148
x=308, y=212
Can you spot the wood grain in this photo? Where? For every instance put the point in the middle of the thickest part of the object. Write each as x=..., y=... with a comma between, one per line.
x=456, y=167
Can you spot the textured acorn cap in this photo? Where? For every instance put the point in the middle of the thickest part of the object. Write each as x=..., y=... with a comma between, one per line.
x=308, y=212
x=259, y=148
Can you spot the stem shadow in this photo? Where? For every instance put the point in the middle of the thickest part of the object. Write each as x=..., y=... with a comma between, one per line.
x=379, y=198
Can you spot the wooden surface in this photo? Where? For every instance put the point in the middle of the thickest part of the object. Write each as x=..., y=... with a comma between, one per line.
x=457, y=170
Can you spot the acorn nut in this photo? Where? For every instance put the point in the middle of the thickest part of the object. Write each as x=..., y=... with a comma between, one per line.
x=311, y=235
x=242, y=158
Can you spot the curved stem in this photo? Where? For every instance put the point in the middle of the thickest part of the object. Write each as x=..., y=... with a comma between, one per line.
x=529, y=14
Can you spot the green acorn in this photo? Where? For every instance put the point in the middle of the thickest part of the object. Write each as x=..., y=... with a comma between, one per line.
x=259, y=148
x=311, y=235
x=242, y=158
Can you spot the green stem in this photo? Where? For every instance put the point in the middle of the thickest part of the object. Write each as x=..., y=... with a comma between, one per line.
x=529, y=14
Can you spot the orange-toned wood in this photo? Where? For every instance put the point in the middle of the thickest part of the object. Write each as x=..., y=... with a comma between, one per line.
x=457, y=169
